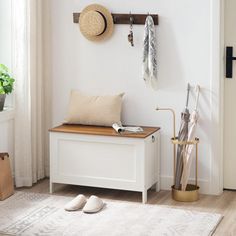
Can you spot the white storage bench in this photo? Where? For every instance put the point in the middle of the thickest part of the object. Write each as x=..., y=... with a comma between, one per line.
x=100, y=157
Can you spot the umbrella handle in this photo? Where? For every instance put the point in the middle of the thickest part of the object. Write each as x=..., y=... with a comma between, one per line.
x=198, y=93
x=188, y=90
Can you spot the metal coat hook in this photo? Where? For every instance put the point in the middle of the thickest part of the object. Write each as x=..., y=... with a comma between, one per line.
x=131, y=19
x=130, y=35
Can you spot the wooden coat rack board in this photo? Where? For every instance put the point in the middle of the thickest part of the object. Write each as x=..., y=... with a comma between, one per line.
x=138, y=19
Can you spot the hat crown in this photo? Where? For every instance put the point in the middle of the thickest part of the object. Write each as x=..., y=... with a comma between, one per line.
x=94, y=23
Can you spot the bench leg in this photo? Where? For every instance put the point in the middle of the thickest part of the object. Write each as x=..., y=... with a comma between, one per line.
x=51, y=187
x=157, y=187
x=144, y=196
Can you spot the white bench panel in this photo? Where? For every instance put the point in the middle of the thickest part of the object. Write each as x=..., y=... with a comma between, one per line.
x=97, y=159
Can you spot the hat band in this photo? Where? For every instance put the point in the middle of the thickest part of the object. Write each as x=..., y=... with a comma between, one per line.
x=105, y=21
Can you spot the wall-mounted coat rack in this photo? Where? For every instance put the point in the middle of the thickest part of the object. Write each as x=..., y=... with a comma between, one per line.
x=138, y=19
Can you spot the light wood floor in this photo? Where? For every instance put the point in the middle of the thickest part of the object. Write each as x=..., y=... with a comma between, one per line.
x=224, y=204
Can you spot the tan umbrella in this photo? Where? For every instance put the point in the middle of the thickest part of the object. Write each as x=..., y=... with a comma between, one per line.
x=182, y=136
x=187, y=152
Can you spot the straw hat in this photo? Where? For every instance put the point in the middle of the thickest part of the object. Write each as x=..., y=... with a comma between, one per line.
x=96, y=22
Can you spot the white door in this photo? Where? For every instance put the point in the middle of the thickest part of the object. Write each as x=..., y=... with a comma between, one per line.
x=230, y=101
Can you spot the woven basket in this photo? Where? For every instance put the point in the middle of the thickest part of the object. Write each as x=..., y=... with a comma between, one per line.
x=6, y=181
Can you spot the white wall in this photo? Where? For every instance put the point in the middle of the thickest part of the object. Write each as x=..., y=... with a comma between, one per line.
x=5, y=32
x=184, y=38
x=7, y=135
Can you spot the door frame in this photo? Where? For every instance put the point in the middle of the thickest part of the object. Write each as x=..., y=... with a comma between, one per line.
x=217, y=95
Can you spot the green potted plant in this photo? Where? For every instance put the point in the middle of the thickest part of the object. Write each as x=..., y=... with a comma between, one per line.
x=6, y=84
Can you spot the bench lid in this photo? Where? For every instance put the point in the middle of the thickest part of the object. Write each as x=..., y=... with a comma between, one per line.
x=105, y=131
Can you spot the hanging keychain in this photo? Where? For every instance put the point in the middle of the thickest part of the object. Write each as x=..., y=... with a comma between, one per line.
x=130, y=35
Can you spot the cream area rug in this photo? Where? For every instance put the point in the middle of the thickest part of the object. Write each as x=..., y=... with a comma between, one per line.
x=33, y=214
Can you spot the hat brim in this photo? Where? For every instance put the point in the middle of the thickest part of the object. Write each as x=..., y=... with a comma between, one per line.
x=109, y=22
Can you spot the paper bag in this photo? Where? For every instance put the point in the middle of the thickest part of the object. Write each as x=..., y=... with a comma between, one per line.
x=6, y=181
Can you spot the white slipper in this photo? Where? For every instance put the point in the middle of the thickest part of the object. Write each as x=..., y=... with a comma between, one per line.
x=76, y=204
x=93, y=205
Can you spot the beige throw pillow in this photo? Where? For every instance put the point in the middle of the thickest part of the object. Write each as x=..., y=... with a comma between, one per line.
x=94, y=110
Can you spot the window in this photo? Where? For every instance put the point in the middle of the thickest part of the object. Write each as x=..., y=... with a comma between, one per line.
x=6, y=41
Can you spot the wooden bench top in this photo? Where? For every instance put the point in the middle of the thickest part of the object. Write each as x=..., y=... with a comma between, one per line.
x=105, y=131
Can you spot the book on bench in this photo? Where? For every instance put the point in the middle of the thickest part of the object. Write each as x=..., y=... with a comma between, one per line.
x=119, y=128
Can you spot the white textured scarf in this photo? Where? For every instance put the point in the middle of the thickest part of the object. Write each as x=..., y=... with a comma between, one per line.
x=149, y=53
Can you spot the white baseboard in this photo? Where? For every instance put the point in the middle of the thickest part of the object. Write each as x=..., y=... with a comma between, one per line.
x=167, y=182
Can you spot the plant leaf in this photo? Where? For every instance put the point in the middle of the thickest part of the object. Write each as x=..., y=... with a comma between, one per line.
x=6, y=81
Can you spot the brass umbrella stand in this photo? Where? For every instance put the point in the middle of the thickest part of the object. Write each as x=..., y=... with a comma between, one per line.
x=192, y=190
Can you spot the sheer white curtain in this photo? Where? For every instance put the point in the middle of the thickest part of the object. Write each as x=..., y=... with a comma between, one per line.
x=30, y=129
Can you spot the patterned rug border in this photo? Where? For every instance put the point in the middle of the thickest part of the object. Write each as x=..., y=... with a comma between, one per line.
x=114, y=201
x=51, y=196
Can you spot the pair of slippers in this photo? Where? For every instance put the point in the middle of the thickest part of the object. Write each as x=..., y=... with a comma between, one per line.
x=92, y=205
